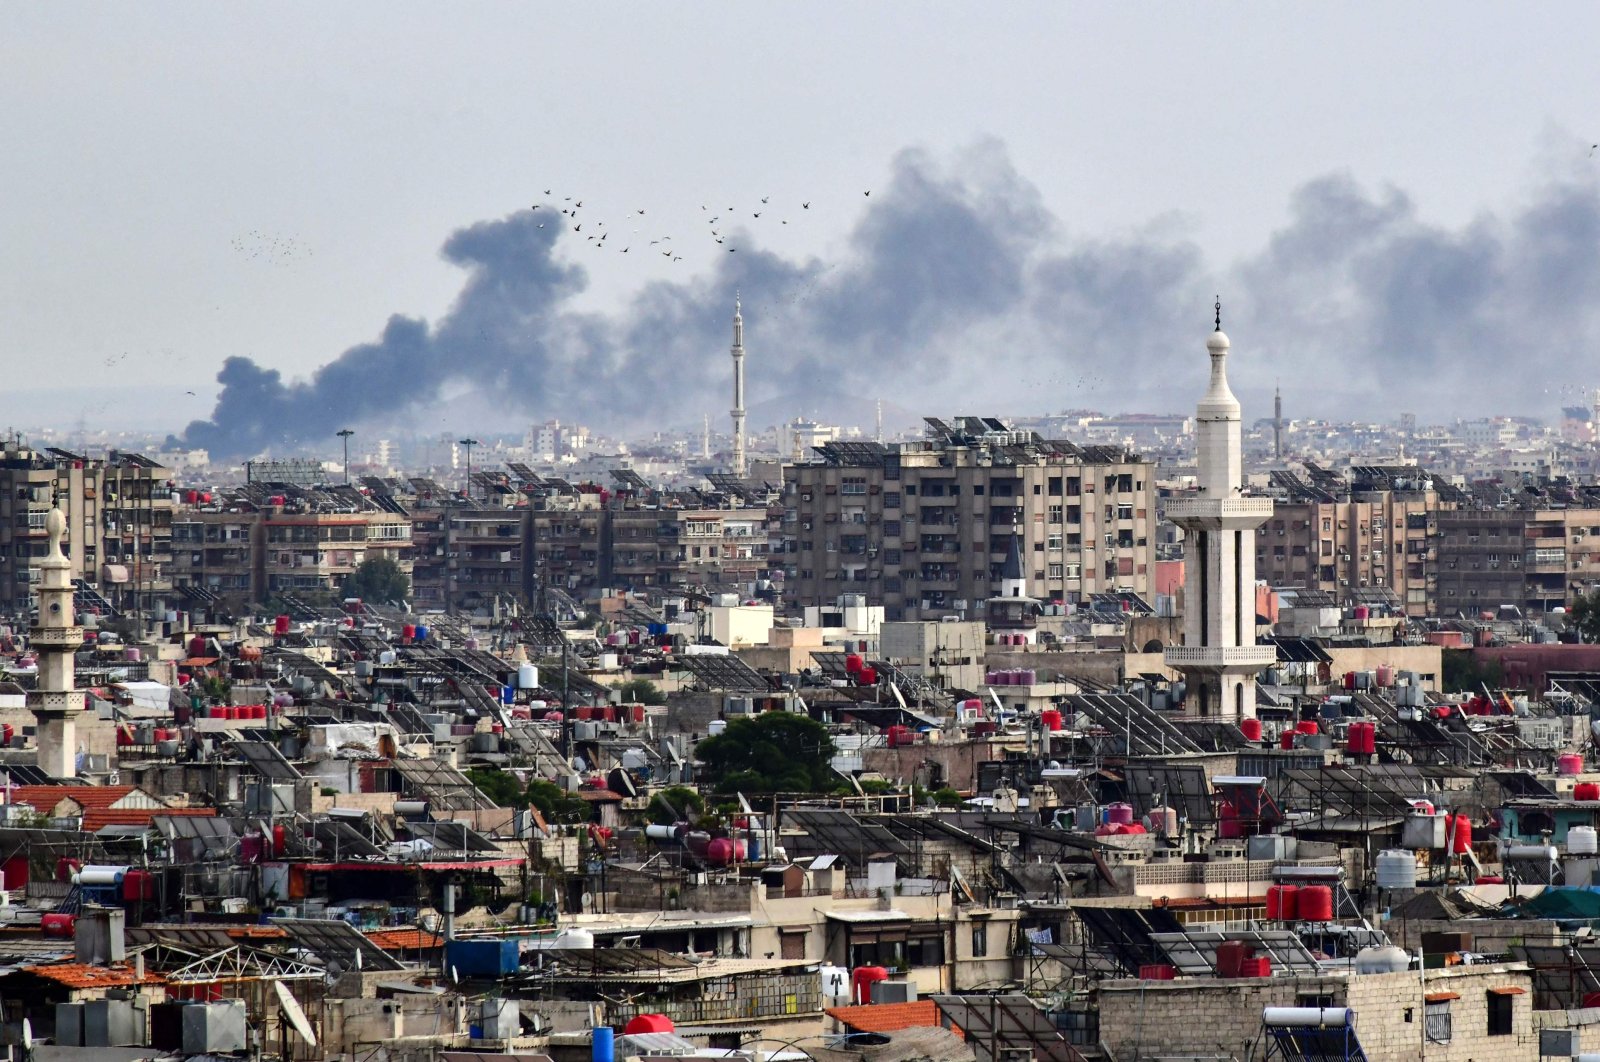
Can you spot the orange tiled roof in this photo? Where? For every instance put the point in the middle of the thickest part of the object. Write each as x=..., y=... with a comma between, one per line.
x=83, y=975
x=408, y=939
x=889, y=1017
x=98, y=804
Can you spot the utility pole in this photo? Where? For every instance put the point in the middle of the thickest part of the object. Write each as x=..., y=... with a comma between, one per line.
x=344, y=437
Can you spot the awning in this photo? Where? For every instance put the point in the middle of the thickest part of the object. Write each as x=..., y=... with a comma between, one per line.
x=114, y=573
x=1508, y=990
x=1440, y=997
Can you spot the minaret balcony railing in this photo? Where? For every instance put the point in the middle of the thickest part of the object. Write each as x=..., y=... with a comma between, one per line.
x=1212, y=508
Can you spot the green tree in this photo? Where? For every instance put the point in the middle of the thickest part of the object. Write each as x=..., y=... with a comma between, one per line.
x=502, y=787
x=667, y=805
x=641, y=691
x=774, y=752
x=1462, y=672
x=1584, y=616
x=556, y=804
x=378, y=580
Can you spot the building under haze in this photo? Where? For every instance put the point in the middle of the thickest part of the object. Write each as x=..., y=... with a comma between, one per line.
x=924, y=527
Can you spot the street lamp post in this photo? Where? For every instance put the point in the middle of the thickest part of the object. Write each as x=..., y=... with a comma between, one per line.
x=469, y=444
x=344, y=436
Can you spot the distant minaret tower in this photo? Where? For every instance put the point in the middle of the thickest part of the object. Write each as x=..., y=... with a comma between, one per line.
x=879, y=436
x=1013, y=581
x=738, y=389
x=1219, y=657
x=705, y=438
x=55, y=701
x=1277, y=424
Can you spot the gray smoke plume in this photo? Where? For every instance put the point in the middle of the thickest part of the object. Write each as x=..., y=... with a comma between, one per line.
x=957, y=290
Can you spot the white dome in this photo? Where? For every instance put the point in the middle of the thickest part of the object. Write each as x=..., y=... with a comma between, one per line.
x=1218, y=341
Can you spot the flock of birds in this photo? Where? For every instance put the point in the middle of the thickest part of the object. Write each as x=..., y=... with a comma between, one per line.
x=270, y=249
x=663, y=245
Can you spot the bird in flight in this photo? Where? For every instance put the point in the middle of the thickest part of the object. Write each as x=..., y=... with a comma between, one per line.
x=547, y=191
x=763, y=199
x=805, y=206
x=867, y=192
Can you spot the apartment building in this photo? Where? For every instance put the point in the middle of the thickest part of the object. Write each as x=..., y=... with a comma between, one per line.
x=119, y=525
x=924, y=527
x=272, y=539
x=1377, y=526
x=1534, y=559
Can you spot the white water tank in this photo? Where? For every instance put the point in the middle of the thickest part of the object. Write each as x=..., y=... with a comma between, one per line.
x=1583, y=840
x=574, y=938
x=1388, y=959
x=835, y=985
x=1397, y=869
x=527, y=677
x=716, y=726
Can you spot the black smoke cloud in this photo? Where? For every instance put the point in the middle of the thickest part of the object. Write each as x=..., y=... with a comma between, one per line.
x=958, y=291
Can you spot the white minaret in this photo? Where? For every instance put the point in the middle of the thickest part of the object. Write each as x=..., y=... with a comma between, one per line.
x=1219, y=657
x=55, y=700
x=738, y=389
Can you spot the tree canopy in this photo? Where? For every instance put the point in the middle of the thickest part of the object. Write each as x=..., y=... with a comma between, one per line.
x=641, y=691
x=1584, y=616
x=379, y=580
x=774, y=752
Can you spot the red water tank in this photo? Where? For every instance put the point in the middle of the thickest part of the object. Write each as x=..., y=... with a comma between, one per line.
x=1231, y=954
x=1369, y=739
x=197, y=646
x=719, y=852
x=1157, y=971
x=138, y=885
x=1250, y=727
x=1050, y=718
x=1316, y=903
x=408, y=631
x=867, y=676
x=648, y=1023
x=1286, y=740
x=1307, y=726
x=1256, y=966
x=280, y=625
x=58, y=925
x=1283, y=903
x=278, y=838
x=853, y=664
x=1462, y=841
x=1586, y=791
x=862, y=980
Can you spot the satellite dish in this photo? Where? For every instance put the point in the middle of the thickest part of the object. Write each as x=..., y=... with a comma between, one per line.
x=358, y=958
x=588, y=900
x=454, y=976
x=27, y=1033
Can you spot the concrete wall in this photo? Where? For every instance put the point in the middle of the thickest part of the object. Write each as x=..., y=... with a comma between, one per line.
x=1214, y=1017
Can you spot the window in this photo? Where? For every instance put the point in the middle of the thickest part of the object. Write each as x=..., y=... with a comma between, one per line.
x=1053, y=540
x=793, y=945
x=1056, y=571
x=980, y=948
x=1502, y=1006
x=1053, y=514
x=853, y=485
x=891, y=499
x=1436, y=1022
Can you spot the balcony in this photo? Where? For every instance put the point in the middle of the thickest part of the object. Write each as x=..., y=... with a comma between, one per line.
x=1202, y=508
x=1217, y=656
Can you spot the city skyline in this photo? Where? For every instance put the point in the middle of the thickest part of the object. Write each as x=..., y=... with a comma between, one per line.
x=1075, y=236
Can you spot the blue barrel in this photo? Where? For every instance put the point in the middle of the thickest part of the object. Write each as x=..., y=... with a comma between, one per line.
x=603, y=1046
x=508, y=694
x=422, y=633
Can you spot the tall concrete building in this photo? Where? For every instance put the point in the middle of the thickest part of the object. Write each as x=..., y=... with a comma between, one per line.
x=55, y=700
x=926, y=527
x=1219, y=656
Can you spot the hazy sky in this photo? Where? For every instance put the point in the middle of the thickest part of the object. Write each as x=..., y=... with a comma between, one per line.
x=185, y=182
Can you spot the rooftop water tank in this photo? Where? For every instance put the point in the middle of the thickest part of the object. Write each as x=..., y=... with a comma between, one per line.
x=1387, y=959
x=1583, y=840
x=1397, y=869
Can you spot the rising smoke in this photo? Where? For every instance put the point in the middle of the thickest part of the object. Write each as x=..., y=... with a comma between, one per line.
x=957, y=289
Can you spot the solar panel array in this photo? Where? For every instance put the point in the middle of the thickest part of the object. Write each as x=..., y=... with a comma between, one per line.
x=1132, y=725
x=1194, y=952
x=725, y=673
